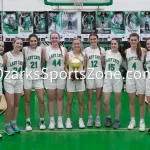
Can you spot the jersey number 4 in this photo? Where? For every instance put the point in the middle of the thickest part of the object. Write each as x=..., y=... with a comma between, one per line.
x=55, y=63
x=134, y=66
x=15, y=70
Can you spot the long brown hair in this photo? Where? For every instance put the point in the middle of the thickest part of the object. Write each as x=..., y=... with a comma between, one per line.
x=59, y=44
x=138, y=49
x=94, y=34
x=120, y=48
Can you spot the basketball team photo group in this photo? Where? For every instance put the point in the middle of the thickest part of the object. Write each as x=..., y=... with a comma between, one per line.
x=74, y=74
x=56, y=70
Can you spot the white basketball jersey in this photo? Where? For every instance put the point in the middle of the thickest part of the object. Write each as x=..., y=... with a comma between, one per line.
x=33, y=61
x=55, y=59
x=71, y=56
x=113, y=61
x=14, y=64
x=134, y=64
x=94, y=59
x=1, y=67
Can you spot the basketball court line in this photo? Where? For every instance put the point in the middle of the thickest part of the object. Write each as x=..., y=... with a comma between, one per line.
x=79, y=130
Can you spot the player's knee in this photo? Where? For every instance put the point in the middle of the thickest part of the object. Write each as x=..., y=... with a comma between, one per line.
x=90, y=98
x=80, y=102
x=10, y=105
x=98, y=98
x=132, y=102
x=142, y=103
x=41, y=101
x=117, y=102
x=106, y=102
x=69, y=102
x=59, y=98
x=27, y=101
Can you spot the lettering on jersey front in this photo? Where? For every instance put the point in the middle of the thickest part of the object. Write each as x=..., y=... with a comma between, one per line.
x=112, y=60
x=132, y=58
x=55, y=55
x=16, y=63
x=94, y=57
x=35, y=57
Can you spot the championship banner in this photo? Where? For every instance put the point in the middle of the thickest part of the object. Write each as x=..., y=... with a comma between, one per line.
x=40, y=25
x=69, y=25
x=55, y=22
x=88, y=21
x=145, y=25
x=103, y=24
x=25, y=24
x=118, y=25
x=132, y=23
x=10, y=25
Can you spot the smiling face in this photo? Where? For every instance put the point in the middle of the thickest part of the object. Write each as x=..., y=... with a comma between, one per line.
x=18, y=44
x=1, y=47
x=76, y=44
x=93, y=40
x=148, y=44
x=54, y=38
x=33, y=41
x=134, y=41
x=114, y=45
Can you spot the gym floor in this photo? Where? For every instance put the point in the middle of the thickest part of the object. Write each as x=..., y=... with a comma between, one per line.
x=75, y=139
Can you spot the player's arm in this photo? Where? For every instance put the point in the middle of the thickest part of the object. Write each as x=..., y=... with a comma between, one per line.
x=103, y=57
x=66, y=63
x=85, y=62
x=103, y=61
x=43, y=55
x=5, y=58
x=124, y=62
x=24, y=60
x=145, y=55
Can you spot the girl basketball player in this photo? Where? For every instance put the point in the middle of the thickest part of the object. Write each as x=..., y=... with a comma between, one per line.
x=134, y=82
x=32, y=58
x=148, y=77
x=95, y=55
x=56, y=81
x=113, y=82
x=75, y=85
x=1, y=69
x=13, y=84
